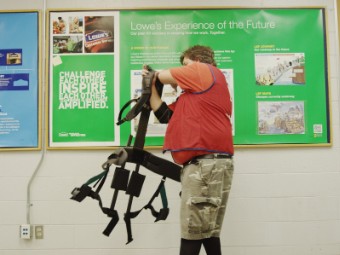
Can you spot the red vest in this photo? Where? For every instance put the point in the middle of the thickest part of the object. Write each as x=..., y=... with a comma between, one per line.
x=201, y=120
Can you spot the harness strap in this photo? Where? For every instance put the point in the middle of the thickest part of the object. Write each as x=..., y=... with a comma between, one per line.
x=142, y=107
x=161, y=215
x=79, y=194
x=120, y=120
x=164, y=212
x=113, y=222
x=156, y=164
x=119, y=182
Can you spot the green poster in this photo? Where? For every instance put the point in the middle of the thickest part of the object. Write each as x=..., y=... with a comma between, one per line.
x=83, y=99
x=83, y=79
x=274, y=60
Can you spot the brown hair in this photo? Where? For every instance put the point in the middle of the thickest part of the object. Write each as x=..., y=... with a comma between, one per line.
x=199, y=53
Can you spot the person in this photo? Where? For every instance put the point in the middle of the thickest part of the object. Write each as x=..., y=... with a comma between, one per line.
x=75, y=25
x=199, y=137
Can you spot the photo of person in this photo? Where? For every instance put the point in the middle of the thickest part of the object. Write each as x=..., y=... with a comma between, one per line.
x=99, y=31
x=67, y=44
x=75, y=25
x=280, y=69
x=59, y=26
x=286, y=117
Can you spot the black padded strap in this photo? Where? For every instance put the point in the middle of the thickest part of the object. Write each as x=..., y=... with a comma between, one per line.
x=156, y=164
x=113, y=222
x=163, y=113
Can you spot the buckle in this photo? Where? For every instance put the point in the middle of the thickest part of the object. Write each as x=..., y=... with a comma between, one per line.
x=79, y=194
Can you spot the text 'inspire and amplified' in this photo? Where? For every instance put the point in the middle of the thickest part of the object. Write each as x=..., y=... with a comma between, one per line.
x=82, y=90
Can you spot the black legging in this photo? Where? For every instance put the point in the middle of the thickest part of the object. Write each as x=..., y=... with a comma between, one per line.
x=211, y=245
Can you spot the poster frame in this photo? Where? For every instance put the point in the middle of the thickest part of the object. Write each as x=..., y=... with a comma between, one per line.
x=38, y=73
x=264, y=145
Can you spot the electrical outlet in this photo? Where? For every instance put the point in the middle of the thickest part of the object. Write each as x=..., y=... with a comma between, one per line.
x=39, y=231
x=25, y=231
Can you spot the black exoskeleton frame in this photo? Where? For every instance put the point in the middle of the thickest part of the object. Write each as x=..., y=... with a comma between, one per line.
x=122, y=181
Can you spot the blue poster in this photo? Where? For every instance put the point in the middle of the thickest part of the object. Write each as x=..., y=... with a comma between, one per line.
x=19, y=80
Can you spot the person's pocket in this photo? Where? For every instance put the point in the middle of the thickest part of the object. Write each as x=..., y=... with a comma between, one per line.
x=203, y=214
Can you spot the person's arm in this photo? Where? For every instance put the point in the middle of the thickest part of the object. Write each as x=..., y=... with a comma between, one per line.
x=160, y=108
x=155, y=99
x=164, y=77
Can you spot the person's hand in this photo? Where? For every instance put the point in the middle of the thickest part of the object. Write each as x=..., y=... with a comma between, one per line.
x=145, y=70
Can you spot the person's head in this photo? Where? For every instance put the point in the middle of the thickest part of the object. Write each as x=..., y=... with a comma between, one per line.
x=76, y=20
x=198, y=53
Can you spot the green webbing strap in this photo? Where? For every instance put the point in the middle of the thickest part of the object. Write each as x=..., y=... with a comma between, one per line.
x=164, y=197
x=85, y=190
x=163, y=213
x=97, y=177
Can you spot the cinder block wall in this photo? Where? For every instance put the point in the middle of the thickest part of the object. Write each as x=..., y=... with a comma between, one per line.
x=284, y=201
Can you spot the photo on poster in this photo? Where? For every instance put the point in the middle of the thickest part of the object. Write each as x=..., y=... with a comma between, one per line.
x=67, y=44
x=10, y=57
x=75, y=25
x=14, y=58
x=99, y=31
x=280, y=69
x=59, y=25
x=281, y=117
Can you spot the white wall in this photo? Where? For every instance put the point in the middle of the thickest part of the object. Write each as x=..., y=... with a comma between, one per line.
x=284, y=201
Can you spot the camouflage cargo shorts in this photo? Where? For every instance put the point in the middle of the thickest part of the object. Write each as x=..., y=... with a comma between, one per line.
x=205, y=190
